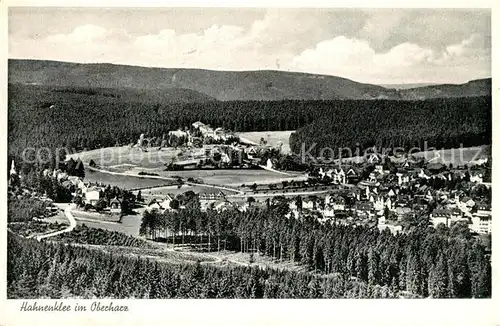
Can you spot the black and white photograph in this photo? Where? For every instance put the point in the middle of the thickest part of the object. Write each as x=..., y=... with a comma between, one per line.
x=247, y=153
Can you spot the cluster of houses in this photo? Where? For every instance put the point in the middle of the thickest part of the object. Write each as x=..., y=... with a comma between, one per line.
x=406, y=189
x=387, y=197
x=200, y=134
x=214, y=201
x=89, y=192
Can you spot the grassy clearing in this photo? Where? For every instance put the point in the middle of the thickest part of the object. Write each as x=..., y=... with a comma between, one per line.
x=455, y=156
x=32, y=228
x=133, y=161
x=228, y=177
x=130, y=224
x=82, y=234
x=124, y=182
x=273, y=138
x=162, y=255
x=124, y=157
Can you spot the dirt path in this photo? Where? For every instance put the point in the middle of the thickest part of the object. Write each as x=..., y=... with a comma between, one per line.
x=217, y=259
x=72, y=224
x=275, y=171
x=436, y=157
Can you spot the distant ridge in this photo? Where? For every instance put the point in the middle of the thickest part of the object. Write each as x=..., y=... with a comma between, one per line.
x=478, y=87
x=200, y=84
x=406, y=86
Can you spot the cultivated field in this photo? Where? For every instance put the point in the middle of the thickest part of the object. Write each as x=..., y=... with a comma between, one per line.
x=456, y=156
x=273, y=138
x=133, y=161
x=228, y=177
x=124, y=158
x=124, y=182
x=130, y=223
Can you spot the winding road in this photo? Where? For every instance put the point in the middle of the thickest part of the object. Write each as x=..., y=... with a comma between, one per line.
x=436, y=157
x=275, y=171
x=72, y=224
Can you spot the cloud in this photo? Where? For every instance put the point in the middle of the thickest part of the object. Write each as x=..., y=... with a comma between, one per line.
x=81, y=34
x=356, y=59
x=380, y=25
x=469, y=47
x=359, y=45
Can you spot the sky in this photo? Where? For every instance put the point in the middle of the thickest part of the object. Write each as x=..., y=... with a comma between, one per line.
x=379, y=46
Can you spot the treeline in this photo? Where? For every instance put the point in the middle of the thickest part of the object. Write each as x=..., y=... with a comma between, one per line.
x=95, y=236
x=24, y=209
x=34, y=178
x=442, y=123
x=424, y=262
x=127, y=199
x=57, y=119
x=49, y=270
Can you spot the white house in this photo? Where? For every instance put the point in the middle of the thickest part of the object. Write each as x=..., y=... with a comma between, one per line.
x=209, y=200
x=477, y=178
x=91, y=196
x=115, y=206
x=403, y=178
x=481, y=222
x=165, y=203
x=339, y=176
x=335, y=203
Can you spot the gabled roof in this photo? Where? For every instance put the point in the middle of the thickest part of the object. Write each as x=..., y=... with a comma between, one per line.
x=115, y=200
x=435, y=166
x=198, y=124
x=351, y=171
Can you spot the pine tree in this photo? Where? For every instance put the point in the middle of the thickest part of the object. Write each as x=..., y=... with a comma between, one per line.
x=438, y=279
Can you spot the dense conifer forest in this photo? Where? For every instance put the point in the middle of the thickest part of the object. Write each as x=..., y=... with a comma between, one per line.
x=51, y=117
x=442, y=123
x=368, y=265
x=50, y=270
x=83, y=234
x=425, y=261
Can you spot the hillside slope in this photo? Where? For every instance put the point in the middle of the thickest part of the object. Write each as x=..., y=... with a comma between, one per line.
x=479, y=87
x=264, y=85
x=221, y=85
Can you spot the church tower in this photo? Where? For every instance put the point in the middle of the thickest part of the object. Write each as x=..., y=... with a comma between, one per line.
x=13, y=169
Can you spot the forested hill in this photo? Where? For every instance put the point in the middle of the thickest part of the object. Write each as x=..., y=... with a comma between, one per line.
x=137, y=95
x=442, y=123
x=91, y=118
x=477, y=87
x=264, y=85
x=222, y=85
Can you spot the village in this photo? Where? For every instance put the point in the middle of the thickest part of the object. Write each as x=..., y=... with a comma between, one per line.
x=407, y=194
x=378, y=191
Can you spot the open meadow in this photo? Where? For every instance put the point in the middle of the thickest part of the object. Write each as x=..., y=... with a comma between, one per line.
x=124, y=181
x=122, y=158
x=456, y=156
x=273, y=138
x=130, y=162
